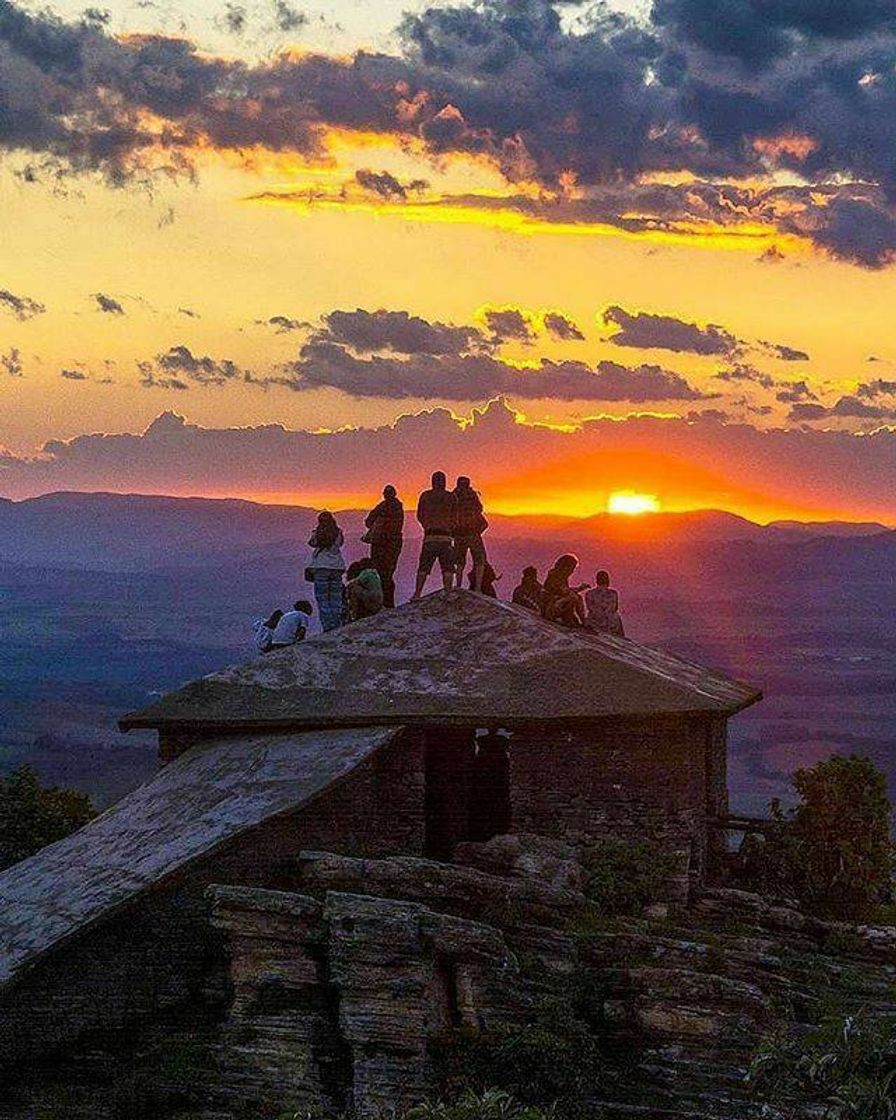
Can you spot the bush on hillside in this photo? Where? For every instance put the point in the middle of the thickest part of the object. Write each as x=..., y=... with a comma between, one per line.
x=493, y=1104
x=32, y=815
x=623, y=878
x=847, y=1067
x=553, y=1057
x=833, y=851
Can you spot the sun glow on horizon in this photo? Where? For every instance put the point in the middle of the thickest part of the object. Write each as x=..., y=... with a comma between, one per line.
x=632, y=504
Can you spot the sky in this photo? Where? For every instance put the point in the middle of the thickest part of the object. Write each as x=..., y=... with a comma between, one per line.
x=277, y=249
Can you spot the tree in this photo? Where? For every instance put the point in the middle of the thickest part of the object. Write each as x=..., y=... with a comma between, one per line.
x=841, y=852
x=32, y=815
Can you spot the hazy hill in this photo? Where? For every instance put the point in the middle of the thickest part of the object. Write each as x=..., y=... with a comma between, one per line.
x=132, y=532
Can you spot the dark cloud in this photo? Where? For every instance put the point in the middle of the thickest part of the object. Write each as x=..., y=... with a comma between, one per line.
x=178, y=367
x=854, y=407
x=190, y=314
x=73, y=375
x=396, y=331
x=562, y=327
x=795, y=393
x=107, y=304
x=509, y=324
x=11, y=362
x=808, y=412
x=478, y=377
x=665, y=332
x=870, y=390
x=287, y=18
x=846, y=408
x=234, y=18
x=785, y=353
x=21, y=306
x=718, y=88
x=742, y=372
x=385, y=185
x=282, y=324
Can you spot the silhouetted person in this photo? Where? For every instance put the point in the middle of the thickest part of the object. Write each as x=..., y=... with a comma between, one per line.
x=385, y=524
x=529, y=592
x=602, y=607
x=326, y=567
x=469, y=526
x=562, y=603
x=263, y=631
x=364, y=590
x=489, y=578
x=293, y=625
x=437, y=513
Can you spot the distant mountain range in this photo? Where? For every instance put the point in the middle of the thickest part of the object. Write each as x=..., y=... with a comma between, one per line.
x=107, y=600
x=132, y=532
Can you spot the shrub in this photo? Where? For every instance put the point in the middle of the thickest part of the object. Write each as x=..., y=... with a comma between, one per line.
x=553, y=1057
x=32, y=815
x=847, y=1067
x=623, y=878
x=841, y=837
x=493, y=1104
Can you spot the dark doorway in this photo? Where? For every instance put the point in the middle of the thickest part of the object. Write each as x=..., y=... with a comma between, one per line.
x=467, y=788
x=490, y=787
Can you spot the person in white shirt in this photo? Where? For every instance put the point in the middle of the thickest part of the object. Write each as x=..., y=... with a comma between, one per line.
x=292, y=626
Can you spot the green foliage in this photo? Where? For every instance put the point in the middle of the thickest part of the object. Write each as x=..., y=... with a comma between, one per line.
x=623, y=878
x=833, y=852
x=167, y=1078
x=32, y=815
x=493, y=1104
x=553, y=1057
x=847, y=1067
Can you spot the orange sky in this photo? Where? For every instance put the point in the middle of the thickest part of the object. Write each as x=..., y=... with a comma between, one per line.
x=204, y=263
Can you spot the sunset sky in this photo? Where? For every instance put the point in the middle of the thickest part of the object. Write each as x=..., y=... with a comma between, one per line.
x=282, y=249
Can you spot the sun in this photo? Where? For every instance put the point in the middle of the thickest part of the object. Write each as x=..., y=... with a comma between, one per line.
x=630, y=503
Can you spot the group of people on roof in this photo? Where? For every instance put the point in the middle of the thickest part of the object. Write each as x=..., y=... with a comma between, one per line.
x=453, y=523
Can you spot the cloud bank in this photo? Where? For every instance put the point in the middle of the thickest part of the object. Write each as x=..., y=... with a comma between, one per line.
x=699, y=462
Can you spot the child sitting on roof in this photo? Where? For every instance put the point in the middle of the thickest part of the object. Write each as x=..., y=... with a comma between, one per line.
x=602, y=607
x=489, y=578
x=363, y=590
x=293, y=625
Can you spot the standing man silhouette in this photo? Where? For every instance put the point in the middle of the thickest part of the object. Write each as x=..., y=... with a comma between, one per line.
x=385, y=523
x=437, y=513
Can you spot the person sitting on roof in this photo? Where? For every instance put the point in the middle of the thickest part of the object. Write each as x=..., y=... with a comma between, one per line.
x=364, y=590
x=437, y=513
x=602, y=607
x=489, y=578
x=263, y=631
x=529, y=593
x=562, y=603
x=293, y=625
x=384, y=526
x=469, y=526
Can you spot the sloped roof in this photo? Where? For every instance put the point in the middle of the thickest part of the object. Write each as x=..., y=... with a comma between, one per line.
x=209, y=795
x=450, y=657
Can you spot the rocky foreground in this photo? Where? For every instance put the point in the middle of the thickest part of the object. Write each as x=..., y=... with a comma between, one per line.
x=353, y=991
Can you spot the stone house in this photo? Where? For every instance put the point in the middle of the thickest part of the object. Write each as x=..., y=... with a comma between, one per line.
x=415, y=734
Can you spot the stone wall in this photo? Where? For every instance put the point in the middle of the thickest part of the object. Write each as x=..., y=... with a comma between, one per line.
x=640, y=779
x=156, y=953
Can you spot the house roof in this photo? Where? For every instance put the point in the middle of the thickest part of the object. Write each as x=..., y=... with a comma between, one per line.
x=211, y=794
x=452, y=657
